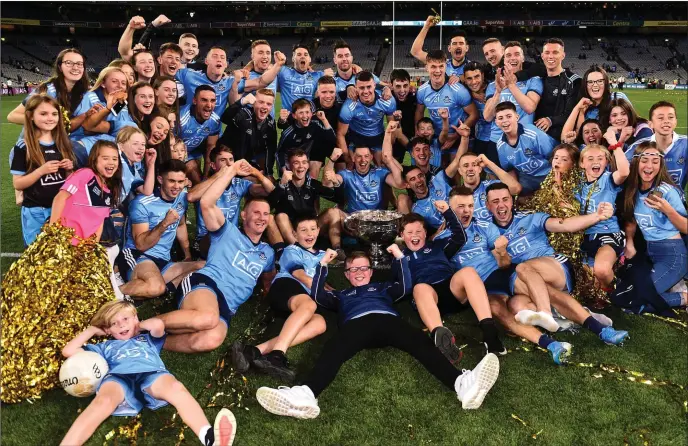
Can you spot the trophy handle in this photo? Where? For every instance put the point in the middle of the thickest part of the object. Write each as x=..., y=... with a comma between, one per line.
x=351, y=224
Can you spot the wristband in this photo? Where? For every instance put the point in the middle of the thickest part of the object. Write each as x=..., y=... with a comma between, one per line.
x=615, y=146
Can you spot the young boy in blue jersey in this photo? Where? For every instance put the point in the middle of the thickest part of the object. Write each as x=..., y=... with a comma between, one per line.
x=289, y=295
x=471, y=168
x=425, y=133
x=523, y=149
x=298, y=81
x=457, y=49
x=368, y=320
x=525, y=95
x=200, y=130
x=439, y=93
x=155, y=221
x=439, y=287
x=137, y=377
x=673, y=146
x=530, y=250
x=209, y=298
x=361, y=122
x=604, y=242
x=485, y=250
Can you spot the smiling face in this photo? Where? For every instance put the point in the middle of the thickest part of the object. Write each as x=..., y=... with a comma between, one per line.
x=513, y=57
x=327, y=94
x=592, y=133
x=303, y=116
x=216, y=62
x=171, y=184
x=562, y=161
x=463, y=205
x=144, y=66
x=255, y=217
x=425, y=130
x=222, y=159
x=474, y=80
x=160, y=128
x=415, y=180
x=421, y=154
x=458, y=48
x=299, y=166
x=500, y=204
x=436, y=69
x=301, y=59
x=343, y=59
x=595, y=86
x=306, y=233
x=135, y=148
x=263, y=106
x=366, y=91
x=72, y=67
x=593, y=161
x=493, y=53
x=663, y=121
x=507, y=120
x=107, y=162
x=470, y=170
x=414, y=235
x=144, y=98
x=400, y=89
x=618, y=118
x=358, y=278
x=129, y=72
x=166, y=93
x=649, y=166
x=170, y=62
x=123, y=325
x=553, y=55
x=45, y=117
x=115, y=82
x=190, y=48
x=204, y=104
x=362, y=160
x=261, y=56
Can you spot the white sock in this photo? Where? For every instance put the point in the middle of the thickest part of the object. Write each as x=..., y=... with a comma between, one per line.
x=112, y=252
x=202, y=433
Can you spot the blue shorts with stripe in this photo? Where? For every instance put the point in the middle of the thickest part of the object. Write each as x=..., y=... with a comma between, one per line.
x=198, y=281
x=128, y=259
x=567, y=268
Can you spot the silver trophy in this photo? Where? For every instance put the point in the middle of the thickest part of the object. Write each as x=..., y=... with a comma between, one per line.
x=377, y=228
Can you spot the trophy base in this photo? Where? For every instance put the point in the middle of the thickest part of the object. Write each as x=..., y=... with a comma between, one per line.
x=379, y=257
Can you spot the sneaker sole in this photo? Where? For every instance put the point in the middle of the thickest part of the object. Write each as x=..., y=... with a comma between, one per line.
x=487, y=376
x=446, y=343
x=239, y=361
x=276, y=372
x=225, y=428
x=276, y=403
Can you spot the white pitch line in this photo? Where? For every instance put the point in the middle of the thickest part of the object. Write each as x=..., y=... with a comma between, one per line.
x=14, y=255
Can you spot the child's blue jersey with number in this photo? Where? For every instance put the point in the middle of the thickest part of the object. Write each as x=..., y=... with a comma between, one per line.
x=592, y=194
x=295, y=257
x=140, y=354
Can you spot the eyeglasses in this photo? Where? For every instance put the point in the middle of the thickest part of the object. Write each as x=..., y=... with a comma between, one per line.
x=71, y=63
x=596, y=82
x=355, y=269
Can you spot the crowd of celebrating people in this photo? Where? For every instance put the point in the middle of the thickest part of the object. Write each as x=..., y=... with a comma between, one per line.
x=513, y=161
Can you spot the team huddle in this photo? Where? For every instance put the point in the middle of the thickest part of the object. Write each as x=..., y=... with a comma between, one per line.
x=123, y=159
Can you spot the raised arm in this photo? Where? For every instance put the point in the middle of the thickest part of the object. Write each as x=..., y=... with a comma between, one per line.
x=417, y=46
x=444, y=133
x=464, y=133
x=127, y=40
x=268, y=76
x=493, y=101
x=212, y=215
x=327, y=299
x=515, y=187
x=527, y=101
x=580, y=222
x=403, y=283
x=576, y=117
x=392, y=164
x=420, y=112
x=76, y=345
x=148, y=185
x=623, y=168
x=458, y=235
x=264, y=187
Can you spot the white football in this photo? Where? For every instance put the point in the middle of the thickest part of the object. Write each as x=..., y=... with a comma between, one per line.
x=81, y=374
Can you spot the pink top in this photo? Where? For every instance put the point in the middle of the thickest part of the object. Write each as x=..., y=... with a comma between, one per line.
x=88, y=205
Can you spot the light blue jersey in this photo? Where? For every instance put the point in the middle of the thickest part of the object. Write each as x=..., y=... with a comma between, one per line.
x=235, y=263
x=438, y=190
x=363, y=191
x=140, y=354
x=453, y=70
x=527, y=237
x=342, y=83
x=532, y=84
x=294, y=85
x=477, y=252
x=675, y=157
x=435, y=152
x=367, y=120
x=529, y=157
x=229, y=203
x=453, y=97
x=122, y=120
x=152, y=209
x=192, y=79
x=593, y=112
x=133, y=176
x=90, y=99
x=480, y=211
x=296, y=257
x=483, y=128
x=654, y=224
x=603, y=190
x=255, y=75
x=195, y=133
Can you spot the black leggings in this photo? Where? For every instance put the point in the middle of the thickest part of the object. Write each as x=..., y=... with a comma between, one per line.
x=376, y=331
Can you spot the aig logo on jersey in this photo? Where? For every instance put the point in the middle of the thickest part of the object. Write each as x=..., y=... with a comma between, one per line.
x=243, y=263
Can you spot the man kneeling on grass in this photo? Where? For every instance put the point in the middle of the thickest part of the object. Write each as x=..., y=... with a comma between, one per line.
x=368, y=320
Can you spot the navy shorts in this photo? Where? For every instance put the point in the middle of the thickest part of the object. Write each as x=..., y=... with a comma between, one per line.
x=498, y=281
x=134, y=386
x=593, y=242
x=281, y=291
x=374, y=143
x=196, y=281
x=566, y=266
x=128, y=258
x=446, y=301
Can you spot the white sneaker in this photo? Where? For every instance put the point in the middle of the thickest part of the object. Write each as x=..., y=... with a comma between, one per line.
x=298, y=401
x=472, y=386
x=680, y=287
x=539, y=318
x=601, y=318
x=225, y=428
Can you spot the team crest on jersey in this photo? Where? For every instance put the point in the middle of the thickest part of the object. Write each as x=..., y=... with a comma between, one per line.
x=438, y=193
x=521, y=232
x=427, y=250
x=306, y=197
x=372, y=288
x=681, y=161
x=107, y=201
x=528, y=152
x=447, y=100
x=179, y=207
x=140, y=338
x=483, y=196
x=263, y=257
x=477, y=238
x=373, y=183
x=206, y=130
x=221, y=87
x=233, y=195
x=308, y=136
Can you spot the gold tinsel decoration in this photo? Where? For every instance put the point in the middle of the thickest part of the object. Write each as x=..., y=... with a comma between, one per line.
x=560, y=202
x=66, y=119
x=49, y=295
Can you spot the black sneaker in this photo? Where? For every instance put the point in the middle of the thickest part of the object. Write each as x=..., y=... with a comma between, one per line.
x=444, y=340
x=276, y=365
x=495, y=347
x=243, y=356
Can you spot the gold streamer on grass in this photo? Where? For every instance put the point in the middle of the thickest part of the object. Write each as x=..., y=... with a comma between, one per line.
x=533, y=435
x=49, y=295
x=680, y=321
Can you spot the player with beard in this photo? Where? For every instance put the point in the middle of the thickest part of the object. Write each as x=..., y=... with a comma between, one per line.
x=405, y=99
x=474, y=79
x=346, y=71
x=200, y=130
x=298, y=82
x=530, y=250
x=439, y=93
x=251, y=131
x=261, y=55
x=209, y=298
x=457, y=49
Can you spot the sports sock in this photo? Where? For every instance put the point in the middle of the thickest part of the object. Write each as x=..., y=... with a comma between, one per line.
x=205, y=432
x=171, y=288
x=279, y=248
x=545, y=341
x=593, y=325
x=490, y=335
